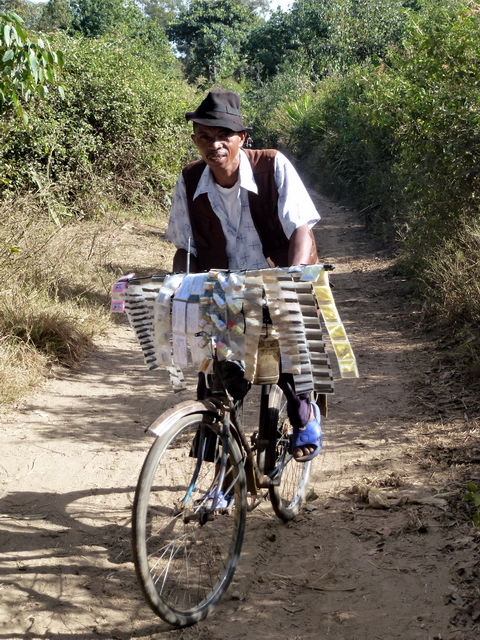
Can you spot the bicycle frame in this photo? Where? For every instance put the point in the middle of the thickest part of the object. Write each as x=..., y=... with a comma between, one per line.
x=259, y=458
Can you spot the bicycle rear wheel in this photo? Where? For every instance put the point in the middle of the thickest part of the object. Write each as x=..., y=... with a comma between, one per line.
x=292, y=477
x=185, y=554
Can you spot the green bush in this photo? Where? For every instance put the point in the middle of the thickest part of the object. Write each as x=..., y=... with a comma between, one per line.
x=432, y=93
x=262, y=101
x=402, y=140
x=345, y=144
x=119, y=133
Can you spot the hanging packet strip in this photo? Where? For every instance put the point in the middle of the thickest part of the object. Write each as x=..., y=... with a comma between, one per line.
x=253, y=311
x=194, y=318
x=234, y=296
x=216, y=312
x=281, y=320
x=340, y=342
x=117, y=304
x=162, y=319
x=140, y=319
x=179, y=322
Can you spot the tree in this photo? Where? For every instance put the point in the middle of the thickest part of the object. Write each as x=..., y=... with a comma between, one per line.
x=163, y=12
x=268, y=45
x=26, y=67
x=56, y=15
x=30, y=12
x=210, y=34
x=326, y=35
x=94, y=18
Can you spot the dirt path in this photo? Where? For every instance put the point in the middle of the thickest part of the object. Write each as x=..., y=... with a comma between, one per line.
x=343, y=570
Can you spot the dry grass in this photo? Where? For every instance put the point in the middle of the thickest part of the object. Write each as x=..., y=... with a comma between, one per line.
x=21, y=369
x=452, y=298
x=60, y=331
x=453, y=278
x=56, y=281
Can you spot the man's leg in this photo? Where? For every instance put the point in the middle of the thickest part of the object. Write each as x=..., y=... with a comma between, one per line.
x=301, y=414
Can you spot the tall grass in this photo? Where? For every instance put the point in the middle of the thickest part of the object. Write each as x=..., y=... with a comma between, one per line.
x=56, y=282
x=76, y=183
x=401, y=141
x=451, y=295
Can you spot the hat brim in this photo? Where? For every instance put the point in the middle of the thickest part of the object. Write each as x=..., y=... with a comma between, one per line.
x=217, y=119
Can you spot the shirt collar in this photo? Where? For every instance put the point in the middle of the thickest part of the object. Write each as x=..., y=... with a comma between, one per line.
x=247, y=181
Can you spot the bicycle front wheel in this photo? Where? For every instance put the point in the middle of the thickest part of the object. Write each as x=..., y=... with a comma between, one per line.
x=186, y=550
x=291, y=478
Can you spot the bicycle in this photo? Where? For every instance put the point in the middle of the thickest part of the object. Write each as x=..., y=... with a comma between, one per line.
x=200, y=477
x=186, y=548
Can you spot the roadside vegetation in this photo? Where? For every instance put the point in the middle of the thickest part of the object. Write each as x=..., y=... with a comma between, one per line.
x=379, y=102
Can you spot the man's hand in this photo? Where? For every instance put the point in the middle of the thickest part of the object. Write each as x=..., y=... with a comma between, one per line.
x=301, y=246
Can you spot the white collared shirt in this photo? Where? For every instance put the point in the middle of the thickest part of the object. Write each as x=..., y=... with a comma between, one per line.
x=244, y=249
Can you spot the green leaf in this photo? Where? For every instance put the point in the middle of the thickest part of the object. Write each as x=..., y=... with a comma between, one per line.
x=21, y=33
x=15, y=18
x=8, y=55
x=7, y=32
x=33, y=63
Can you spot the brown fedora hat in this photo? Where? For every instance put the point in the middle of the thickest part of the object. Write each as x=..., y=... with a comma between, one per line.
x=219, y=109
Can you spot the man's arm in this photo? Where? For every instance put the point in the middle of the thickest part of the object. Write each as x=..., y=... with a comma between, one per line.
x=300, y=246
x=180, y=262
x=295, y=206
x=179, y=230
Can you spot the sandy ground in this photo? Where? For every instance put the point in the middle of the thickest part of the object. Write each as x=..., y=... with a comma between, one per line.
x=343, y=570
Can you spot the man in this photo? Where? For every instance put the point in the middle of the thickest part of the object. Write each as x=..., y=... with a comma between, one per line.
x=241, y=209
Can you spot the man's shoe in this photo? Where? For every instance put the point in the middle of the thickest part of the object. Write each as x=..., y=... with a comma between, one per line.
x=309, y=436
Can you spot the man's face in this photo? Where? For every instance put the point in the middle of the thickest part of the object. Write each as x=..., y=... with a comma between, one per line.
x=219, y=147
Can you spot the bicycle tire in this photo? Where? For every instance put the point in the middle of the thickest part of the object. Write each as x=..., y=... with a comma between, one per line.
x=292, y=477
x=184, y=565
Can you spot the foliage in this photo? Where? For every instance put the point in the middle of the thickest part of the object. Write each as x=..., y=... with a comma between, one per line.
x=56, y=15
x=267, y=46
x=473, y=495
x=327, y=35
x=262, y=101
x=96, y=18
x=210, y=34
x=26, y=67
x=93, y=18
x=30, y=12
x=163, y=12
x=451, y=294
x=432, y=93
x=119, y=133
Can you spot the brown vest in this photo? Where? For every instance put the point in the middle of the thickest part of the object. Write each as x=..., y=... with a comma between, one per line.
x=206, y=227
